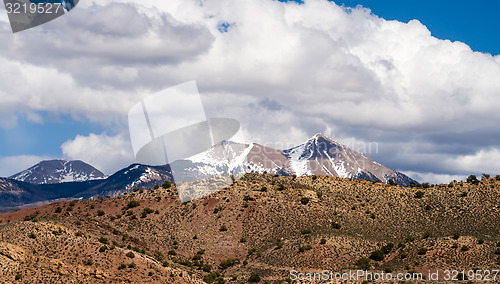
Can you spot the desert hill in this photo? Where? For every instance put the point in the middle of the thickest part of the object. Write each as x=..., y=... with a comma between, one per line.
x=258, y=229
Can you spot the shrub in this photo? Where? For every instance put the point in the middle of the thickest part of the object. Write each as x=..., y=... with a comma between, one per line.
x=214, y=277
x=165, y=264
x=131, y=265
x=279, y=244
x=497, y=251
x=186, y=263
x=456, y=236
x=243, y=240
x=426, y=235
x=32, y=235
x=387, y=270
x=472, y=179
x=100, y=213
x=130, y=254
x=251, y=251
x=387, y=248
x=132, y=204
x=304, y=248
x=322, y=241
x=122, y=266
x=336, y=225
x=148, y=210
x=464, y=248
x=304, y=200
x=228, y=263
x=58, y=210
x=103, y=248
x=419, y=194
x=422, y=251
x=103, y=240
x=18, y=276
x=364, y=263
x=167, y=184
x=172, y=252
x=305, y=232
x=403, y=255
x=377, y=255
x=254, y=278
x=410, y=239
x=88, y=262
x=480, y=241
x=223, y=228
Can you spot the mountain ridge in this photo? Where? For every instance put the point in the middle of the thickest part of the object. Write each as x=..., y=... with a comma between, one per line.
x=58, y=171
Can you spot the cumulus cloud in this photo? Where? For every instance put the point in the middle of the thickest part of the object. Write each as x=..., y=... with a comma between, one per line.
x=292, y=71
x=106, y=153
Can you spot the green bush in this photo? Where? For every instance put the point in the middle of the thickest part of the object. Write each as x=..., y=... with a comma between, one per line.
x=472, y=179
x=228, y=263
x=132, y=204
x=364, y=263
x=426, y=235
x=130, y=254
x=464, y=248
x=186, y=263
x=422, y=251
x=214, y=277
x=32, y=235
x=322, y=241
x=103, y=240
x=419, y=194
x=103, y=248
x=305, y=231
x=254, y=278
x=58, y=210
x=223, y=228
x=131, y=265
x=172, y=252
x=336, y=225
x=456, y=236
x=387, y=248
x=304, y=200
x=100, y=213
x=377, y=255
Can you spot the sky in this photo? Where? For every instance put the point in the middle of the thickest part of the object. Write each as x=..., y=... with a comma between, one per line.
x=417, y=79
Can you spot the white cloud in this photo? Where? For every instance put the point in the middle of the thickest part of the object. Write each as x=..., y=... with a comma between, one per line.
x=106, y=153
x=285, y=71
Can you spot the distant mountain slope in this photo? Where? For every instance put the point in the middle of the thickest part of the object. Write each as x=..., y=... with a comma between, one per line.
x=58, y=171
x=317, y=156
x=15, y=193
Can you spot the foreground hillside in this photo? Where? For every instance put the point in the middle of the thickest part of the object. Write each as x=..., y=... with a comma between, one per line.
x=258, y=229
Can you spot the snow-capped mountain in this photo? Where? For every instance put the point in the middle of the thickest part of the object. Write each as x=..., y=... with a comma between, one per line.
x=317, y=156
x=58, y=171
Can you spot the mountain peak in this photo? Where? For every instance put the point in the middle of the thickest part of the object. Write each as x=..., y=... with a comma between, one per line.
x=57, y=171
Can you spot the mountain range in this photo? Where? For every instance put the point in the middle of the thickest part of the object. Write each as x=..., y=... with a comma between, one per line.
x=53, y=180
